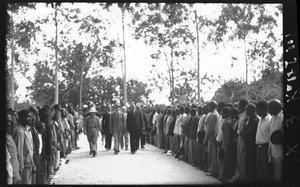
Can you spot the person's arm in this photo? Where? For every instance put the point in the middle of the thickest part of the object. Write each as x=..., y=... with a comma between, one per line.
x=110, y=123
x=19, y=140
x=228, y=135
x=210, y=131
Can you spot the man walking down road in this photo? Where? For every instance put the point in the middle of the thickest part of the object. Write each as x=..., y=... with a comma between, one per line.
x=124, y=131
x=94, y=125
x=105, y=128
x=115, y=122
x=139, y=124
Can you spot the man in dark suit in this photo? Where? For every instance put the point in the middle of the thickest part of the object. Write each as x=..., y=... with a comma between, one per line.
x=105, y=127
x=115, y=121
x=139, y=122
x=248, y=133
x=133, y=130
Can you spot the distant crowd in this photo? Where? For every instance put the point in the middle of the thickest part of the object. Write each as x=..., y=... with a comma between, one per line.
x=236, y=143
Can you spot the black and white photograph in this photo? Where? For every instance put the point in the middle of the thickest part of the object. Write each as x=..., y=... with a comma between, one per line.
x=148, y=93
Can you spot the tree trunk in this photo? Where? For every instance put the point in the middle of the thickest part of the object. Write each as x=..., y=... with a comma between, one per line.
x=56, y=59
x=172, y=76
x=124, y=61
x=246, y=60
x=12, y=91
x=198, y=57
x=80, y=89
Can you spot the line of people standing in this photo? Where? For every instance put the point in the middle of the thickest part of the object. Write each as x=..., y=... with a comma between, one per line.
x=234, y=143
x=36, y=139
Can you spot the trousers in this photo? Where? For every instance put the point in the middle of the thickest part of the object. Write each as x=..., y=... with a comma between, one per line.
x=124, y=135
x=117, y=139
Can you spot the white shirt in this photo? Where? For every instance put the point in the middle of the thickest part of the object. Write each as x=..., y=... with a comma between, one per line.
x=219, y=137
x=242, y=121
x=263, y=130
x=154, y=118
x=276, y=151
x=205, y=121
x=178, y=123
x=41, y=143
x=201, y=122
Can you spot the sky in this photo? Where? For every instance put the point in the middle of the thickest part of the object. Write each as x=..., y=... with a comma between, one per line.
x=139, y=60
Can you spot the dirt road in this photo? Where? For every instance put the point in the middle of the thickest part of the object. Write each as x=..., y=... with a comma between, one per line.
x=148, y=166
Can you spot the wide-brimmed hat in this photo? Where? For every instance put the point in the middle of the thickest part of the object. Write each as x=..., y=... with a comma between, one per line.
x=93, y=110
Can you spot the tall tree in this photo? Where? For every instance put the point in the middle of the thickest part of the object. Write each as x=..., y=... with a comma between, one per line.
x=251, y=25
x=21, y=31
x=162, y=27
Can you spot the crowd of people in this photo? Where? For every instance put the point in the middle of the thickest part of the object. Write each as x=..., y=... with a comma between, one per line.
x=236, y=143
x=38, y=141
x=240, y=142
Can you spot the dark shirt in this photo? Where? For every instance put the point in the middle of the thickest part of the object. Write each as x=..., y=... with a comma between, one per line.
x=131, y=125
x=105, y=123
x=193, y=127
x=248, y=133
x=171, y=127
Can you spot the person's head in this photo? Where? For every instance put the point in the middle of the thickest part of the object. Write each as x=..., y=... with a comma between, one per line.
x=44, y=114
x=193, y=112
x=181, y=110
x=137, y=107
x=212, y=105
x=221, y=105
x=200, y=110
x=131, y=108
x=63, y=112
x=56, y=114
x=262, y=108
x=174, y=113
x=274, y=107
x=70, y=109
x=177, y=111
x=158, y=110
x=250, y=110
x=124, y=109
x=24, y=117
x=9, y=123
x=169, y=111
x=225, y=112
x=56, y=107
x=33, y=120
x=187, y=110
x=242, y=105
x=234, y=113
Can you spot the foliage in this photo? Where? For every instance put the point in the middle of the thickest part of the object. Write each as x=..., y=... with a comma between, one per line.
x=230, y=92
x=267, y=88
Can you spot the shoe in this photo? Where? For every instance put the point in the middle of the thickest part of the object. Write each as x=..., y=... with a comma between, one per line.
x=116, y=152
x=169, y=153
x=208, y=174
x=90, y=153
x=132, y=152
x=67, y=161
x=77, y=147
x=142, y=147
